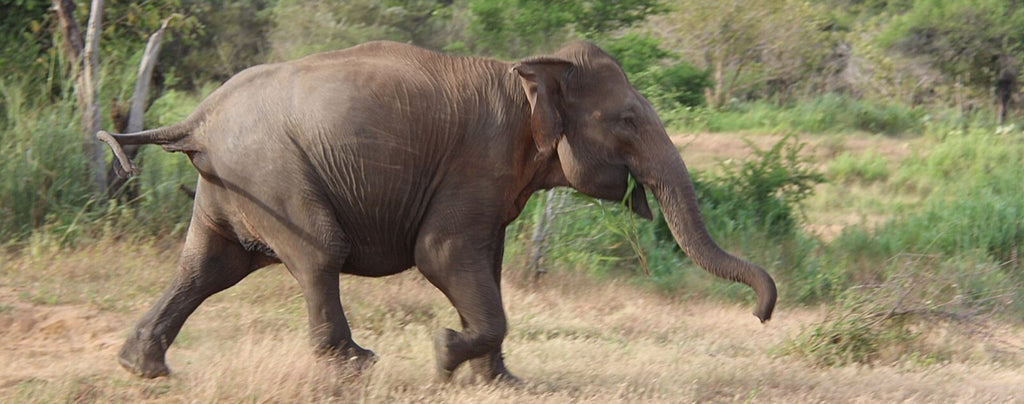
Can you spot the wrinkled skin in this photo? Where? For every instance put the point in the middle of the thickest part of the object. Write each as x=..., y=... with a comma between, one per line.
x=379, y=158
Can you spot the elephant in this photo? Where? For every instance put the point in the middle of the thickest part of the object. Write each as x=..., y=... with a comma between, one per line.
x=384, y=157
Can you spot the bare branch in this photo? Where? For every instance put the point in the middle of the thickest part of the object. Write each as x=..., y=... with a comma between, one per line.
x=73, y=44
x=89, y=98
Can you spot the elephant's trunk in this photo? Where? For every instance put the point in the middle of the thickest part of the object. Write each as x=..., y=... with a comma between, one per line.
x=671, y=184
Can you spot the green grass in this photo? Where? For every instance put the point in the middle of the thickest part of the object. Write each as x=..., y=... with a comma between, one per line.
x=828, y=113
x=865, y=168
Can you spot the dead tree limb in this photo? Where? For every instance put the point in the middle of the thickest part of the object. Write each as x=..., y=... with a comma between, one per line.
x=73, y=43
x=138, y=101
x=89, y=98
x=553, y=203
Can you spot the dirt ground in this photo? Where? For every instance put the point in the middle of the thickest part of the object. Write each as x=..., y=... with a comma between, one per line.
x=571, y=339
x=705, y=150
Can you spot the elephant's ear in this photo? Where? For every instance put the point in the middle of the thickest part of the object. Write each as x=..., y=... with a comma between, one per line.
x=542, y=78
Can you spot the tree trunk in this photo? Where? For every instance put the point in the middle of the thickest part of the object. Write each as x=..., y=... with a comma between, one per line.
x=88, y=99
x=138, y=104
x=73, y=44
x=542, y=232
x=1006, y=84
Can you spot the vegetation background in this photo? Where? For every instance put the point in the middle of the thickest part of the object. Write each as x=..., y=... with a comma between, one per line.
x=870, y=154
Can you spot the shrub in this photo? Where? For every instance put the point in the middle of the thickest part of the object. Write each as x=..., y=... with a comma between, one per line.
x=910, y=315
x=760, y=195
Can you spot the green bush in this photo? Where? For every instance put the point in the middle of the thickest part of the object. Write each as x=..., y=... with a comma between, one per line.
x=41, y=160
x=45, y=187
x=635, y=53
x=683, y=83
x=760, y=195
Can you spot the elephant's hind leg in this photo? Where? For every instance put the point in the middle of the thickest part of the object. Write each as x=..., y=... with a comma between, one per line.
x=209, y=264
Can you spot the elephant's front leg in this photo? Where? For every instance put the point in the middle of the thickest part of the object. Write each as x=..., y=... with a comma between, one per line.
x=491, y=366
x=463, y=267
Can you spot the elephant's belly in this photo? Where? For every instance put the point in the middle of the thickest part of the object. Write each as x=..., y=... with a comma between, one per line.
x=377, y=262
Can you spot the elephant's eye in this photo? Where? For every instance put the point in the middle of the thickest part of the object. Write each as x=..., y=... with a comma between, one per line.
x=630, y=121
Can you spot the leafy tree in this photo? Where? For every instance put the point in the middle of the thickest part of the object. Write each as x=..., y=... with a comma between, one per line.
x=753, y=49
x=664, y=79
x=517, y=28
x=302, y=27
x=978, y=42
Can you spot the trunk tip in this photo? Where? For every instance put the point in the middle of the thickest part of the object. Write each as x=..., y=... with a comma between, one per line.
x=765, y=307
x=767, y=294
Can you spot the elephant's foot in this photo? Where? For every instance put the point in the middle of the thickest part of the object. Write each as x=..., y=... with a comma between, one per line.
x=504, y=378
x=445, y=364
x=142, y=362
x=490, y=368
x=351, y=357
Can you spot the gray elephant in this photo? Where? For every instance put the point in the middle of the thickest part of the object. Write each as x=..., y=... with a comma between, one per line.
x=382, y=157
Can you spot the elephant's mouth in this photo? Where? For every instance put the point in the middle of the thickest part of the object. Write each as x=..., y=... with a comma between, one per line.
x=637, y=201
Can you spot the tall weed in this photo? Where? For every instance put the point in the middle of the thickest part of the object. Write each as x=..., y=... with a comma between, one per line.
x=42, y=161
x=45, y=187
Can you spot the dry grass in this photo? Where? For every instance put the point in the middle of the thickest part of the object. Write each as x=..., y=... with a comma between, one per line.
x=63, y=316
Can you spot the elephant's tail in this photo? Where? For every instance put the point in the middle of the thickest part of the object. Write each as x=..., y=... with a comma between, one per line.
x=172, y=138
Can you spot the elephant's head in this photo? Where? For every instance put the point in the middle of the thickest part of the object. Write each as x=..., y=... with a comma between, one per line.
x=604, y=131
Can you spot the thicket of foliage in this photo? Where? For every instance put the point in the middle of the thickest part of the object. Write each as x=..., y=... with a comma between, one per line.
x=932, y=69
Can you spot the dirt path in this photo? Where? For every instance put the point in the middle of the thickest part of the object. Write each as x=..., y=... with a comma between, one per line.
x=48, y=342
x=705, y=150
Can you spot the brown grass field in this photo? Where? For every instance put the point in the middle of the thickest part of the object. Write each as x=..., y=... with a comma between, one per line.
x=64, y=314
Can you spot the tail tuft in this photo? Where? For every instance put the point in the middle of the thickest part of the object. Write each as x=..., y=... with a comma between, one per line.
x=123, y=166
